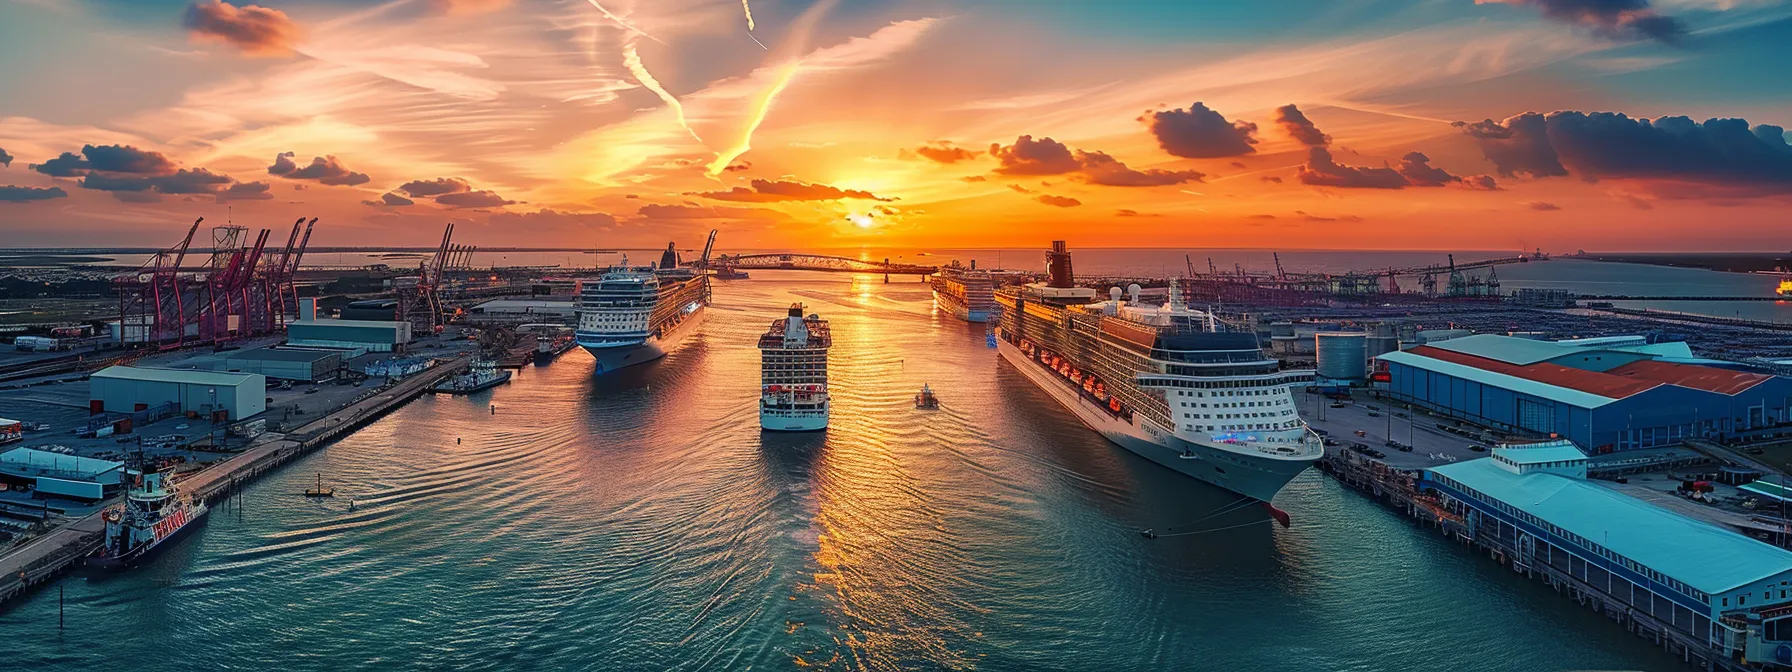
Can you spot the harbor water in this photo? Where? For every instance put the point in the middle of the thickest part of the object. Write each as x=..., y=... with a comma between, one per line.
x=642, y=521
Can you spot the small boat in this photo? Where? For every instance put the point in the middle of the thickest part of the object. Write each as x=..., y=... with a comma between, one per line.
x=320, y=490
x=925, y=398
x=483, y=374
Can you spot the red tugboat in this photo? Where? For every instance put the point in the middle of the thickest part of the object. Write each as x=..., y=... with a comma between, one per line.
x=153, y=514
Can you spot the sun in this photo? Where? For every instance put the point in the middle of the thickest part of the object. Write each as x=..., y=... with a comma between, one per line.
x=863, y=221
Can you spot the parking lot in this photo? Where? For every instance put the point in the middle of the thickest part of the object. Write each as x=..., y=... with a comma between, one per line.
x=1380, y=421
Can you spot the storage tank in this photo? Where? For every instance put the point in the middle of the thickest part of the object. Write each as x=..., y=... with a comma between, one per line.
x=1341, y=355
x=1381, y=345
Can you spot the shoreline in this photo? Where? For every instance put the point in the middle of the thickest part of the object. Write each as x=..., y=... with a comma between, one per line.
x=1753, y=263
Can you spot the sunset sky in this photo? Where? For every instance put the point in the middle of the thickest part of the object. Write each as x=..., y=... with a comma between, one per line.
x=1291, y=124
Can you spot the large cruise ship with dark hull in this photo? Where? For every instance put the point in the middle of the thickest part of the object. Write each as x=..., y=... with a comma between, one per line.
x=636, y=314
x=1178, y=386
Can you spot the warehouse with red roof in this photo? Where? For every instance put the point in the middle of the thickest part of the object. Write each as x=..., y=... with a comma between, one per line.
x=1605, y=394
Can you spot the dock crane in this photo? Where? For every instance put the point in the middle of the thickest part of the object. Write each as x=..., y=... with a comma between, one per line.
x=1281, y=275
x=1458, y=284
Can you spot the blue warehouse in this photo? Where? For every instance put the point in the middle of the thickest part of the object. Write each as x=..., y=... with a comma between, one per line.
x=1605, y=394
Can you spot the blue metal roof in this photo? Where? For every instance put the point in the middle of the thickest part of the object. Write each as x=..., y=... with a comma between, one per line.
x=1553, y=451
x=1523, y=351
x=1709, y=558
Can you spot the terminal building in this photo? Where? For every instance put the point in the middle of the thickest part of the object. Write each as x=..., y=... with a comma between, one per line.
x=126, y=389
x=1708, y=592
x=1606, y=394
x=68, y=476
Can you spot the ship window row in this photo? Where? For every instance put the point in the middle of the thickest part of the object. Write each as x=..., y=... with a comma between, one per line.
x=1209, y=356
x=1243, y=428
x=1237, y=404
x=1216, y=384
x=1257, y=392
x=1234, y=416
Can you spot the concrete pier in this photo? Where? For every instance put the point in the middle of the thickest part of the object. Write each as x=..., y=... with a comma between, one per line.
x=66, y=547
x=1396, y=489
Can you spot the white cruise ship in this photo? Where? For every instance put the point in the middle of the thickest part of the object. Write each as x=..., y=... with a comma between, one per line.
x=793, y=393
x=636, y=314
x=1167, y=382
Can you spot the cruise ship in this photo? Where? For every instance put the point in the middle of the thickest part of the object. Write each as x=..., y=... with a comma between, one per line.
x=153, y=514
x=967, y=292
x=793, y=393
x=1175, y=385
x=636, y=314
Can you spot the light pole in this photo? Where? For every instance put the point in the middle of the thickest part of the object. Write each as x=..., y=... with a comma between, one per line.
x=212, y=392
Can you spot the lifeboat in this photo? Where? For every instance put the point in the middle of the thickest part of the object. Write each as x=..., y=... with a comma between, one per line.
x=1114, y=404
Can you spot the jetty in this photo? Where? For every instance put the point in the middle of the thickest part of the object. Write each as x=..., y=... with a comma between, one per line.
x=65, y=548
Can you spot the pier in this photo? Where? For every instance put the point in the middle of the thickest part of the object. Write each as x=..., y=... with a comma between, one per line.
x=65, y=548
x=1401, y=490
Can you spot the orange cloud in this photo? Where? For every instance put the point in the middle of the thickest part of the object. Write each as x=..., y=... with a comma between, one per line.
x=253, y=29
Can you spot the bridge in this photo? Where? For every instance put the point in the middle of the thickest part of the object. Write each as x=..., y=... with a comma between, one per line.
x=817, y=262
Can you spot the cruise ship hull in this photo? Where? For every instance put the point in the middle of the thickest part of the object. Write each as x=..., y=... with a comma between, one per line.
x=612, y=358
x=1249, y=475
x=960, y=310
x=807, y=421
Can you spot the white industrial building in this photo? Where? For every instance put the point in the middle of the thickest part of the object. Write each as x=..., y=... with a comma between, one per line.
x=63, y=475
x=124, y=389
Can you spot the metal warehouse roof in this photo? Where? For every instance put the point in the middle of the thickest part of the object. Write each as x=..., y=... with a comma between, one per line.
x=1710, y=379
x=1502, y=380
x=1706, y=557
x=283, y=355
x=1549, y=381
x=1538, y=453
x=32, y=463
x=1502, y=348
x=1523, y=351
x=176, y=376
x=356, y=324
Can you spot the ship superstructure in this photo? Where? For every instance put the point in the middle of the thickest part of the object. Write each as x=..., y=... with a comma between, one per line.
x=1176, y=385
x=636, y=314
x=793, y=393
x=967, y=292
x=154, y=513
